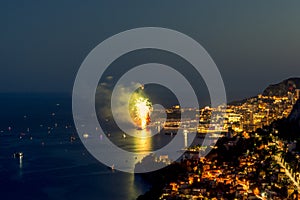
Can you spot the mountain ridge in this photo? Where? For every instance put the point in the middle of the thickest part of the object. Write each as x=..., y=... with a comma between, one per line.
x=281, y=88
x=278, y=89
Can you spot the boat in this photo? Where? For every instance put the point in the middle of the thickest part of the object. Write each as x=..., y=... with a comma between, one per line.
x=18, y=155
x=112, y=168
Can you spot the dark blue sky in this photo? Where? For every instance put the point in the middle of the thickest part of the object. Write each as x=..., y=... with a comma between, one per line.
x=253, y=43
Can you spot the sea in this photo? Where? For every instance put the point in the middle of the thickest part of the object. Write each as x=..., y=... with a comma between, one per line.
x=55, y=164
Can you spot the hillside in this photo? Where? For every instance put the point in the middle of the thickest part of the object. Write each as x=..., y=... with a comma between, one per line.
x=281, y=89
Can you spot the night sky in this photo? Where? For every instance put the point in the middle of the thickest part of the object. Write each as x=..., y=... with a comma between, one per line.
x=43, y=43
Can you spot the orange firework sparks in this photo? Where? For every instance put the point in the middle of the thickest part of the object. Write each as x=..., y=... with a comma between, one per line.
x=140, y=110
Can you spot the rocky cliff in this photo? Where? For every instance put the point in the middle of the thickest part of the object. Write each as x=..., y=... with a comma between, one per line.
x=281, y=89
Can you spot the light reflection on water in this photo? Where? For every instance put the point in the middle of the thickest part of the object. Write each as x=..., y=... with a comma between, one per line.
x=142, y=142
x=61, y=171
x=148, y=140
x=148, y=144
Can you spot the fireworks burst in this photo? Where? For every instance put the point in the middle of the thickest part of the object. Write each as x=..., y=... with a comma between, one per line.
x=140, y=109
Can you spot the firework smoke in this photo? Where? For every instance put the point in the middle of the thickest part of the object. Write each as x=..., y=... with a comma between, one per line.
x=135, y=103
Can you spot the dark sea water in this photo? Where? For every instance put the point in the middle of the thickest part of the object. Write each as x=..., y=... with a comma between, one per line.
x=53, y=167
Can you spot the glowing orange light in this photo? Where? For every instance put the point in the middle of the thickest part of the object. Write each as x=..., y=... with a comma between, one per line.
x=256, y=191
x=140, y=110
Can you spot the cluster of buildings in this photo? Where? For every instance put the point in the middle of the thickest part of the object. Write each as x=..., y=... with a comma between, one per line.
x=257, y=173
x=257, y=112
x=248, y=115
